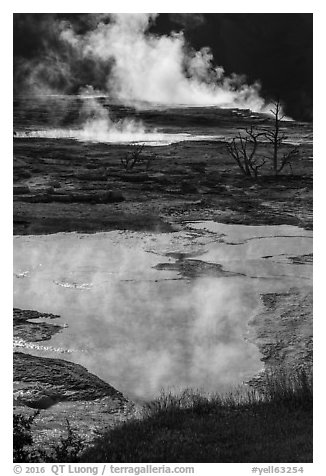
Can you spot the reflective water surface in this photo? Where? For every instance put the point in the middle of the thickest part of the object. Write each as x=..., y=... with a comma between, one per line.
x=143, y=327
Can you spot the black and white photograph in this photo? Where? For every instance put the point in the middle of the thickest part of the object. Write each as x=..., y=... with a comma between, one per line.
x=162, y=241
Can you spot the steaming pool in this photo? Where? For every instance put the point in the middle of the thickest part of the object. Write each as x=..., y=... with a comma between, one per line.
x=147, y=311
x=95, y=135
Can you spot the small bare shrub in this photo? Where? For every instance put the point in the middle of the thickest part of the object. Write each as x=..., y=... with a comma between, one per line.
x=133, y=157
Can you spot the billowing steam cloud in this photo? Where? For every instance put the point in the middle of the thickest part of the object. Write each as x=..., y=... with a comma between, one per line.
x=130, y=64
x=118, y=54
x=159, y=69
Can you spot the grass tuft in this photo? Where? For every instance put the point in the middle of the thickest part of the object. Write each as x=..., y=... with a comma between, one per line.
x=272, y=423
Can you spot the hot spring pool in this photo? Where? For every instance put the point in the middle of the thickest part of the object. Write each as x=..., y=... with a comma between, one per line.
x=140, y=323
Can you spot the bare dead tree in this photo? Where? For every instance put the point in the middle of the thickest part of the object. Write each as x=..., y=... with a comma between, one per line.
x=276, y=137
x=243, y=149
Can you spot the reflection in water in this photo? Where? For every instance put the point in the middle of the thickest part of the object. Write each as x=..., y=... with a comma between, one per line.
x=142, y=328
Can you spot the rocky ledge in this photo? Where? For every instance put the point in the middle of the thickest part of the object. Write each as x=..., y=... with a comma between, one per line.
x=60, y=390
x=41, y=382
x=26, y=330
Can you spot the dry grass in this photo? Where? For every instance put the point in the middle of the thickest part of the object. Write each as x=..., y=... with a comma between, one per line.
x=272, y=424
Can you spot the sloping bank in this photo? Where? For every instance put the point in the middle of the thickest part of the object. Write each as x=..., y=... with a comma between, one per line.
x=58, y=389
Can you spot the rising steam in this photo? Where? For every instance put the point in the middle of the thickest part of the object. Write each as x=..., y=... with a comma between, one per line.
x=140, y=69
x=159, y=69
x=97, y=126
